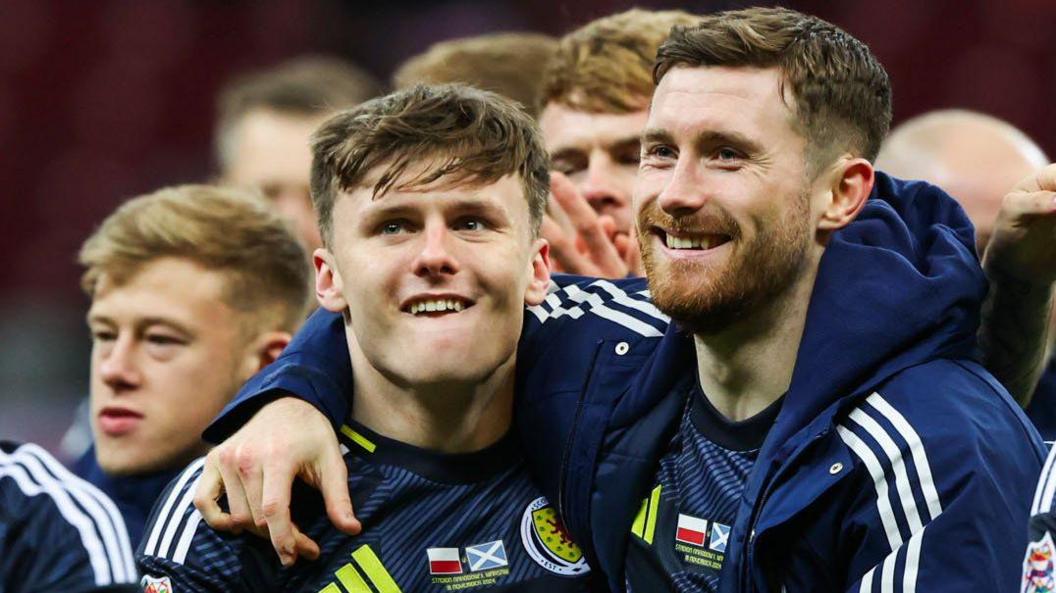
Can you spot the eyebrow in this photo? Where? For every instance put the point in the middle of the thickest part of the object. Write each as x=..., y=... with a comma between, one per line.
x=460, y=204
x=709, y=138
x=144, y=322
x=656, y=135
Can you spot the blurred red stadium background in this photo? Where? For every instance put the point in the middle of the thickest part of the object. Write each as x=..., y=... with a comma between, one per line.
x=103, y=100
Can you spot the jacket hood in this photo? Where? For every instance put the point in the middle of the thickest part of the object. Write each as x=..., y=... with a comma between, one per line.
x=898, y=287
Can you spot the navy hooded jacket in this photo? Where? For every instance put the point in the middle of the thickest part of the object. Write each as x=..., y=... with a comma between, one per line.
x=896, y=462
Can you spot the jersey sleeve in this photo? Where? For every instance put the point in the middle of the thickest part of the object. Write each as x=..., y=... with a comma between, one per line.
x=180, y=552
x=946, y=496
x=57, y=532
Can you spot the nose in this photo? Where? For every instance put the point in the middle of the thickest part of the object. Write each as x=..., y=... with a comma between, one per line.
x=599, y=187
x=684, y=192
x=435, y=257
x=117, y=366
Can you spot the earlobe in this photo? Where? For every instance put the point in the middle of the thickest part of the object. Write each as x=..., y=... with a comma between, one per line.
x=851, y=187
x=540, y=270
x=329, y=286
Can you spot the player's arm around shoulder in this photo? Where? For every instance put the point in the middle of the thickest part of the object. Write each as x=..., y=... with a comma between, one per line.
x=179, y=551
x=948, y=463
x=591, y=309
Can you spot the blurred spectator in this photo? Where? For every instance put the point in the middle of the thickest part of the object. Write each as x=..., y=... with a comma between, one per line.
x=595, y=102
x=57, y=532
x=265, y=120
x=975, y=157
x=510, y=64
x=978, y=159
x=194, y=289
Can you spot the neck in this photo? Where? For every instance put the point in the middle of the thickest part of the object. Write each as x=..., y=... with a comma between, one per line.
x=451, y=417
x=748, y=366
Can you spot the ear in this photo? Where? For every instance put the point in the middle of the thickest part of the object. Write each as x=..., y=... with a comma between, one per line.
x=264, y=350
x=851, y=183
x=540, y=270
x=329, y=287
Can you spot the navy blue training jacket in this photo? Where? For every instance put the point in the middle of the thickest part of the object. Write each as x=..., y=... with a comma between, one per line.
x=57, y=532
x=897, y=463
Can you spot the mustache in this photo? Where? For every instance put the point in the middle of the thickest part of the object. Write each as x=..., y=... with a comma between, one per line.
x=710, y=220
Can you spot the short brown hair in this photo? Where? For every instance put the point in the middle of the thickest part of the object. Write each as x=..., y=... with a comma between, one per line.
x=306, y=86
x=477, y=136
x=842, y=94
x=510, y=64
x=223, y=229
x=606, y=66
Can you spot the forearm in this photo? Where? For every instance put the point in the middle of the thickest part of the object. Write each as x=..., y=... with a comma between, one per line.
x=1014, y=333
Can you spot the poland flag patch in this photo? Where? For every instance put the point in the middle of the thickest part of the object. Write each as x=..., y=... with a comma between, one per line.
x=444, y=561
x=691, y=530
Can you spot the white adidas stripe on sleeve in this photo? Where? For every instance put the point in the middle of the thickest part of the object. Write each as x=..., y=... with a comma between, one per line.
x=101, y=530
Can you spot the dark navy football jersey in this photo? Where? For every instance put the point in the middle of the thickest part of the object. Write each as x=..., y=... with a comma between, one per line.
x=431, y=522
x=678, y=540
x=57, y=532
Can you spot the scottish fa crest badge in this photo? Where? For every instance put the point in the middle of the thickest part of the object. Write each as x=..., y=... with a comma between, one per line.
x=548, y=543
x=1038, y=567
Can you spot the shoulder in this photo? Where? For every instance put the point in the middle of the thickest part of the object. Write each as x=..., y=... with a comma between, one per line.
x=946, y=429
x=960, y=402
x=607, y=307
x=71, y=529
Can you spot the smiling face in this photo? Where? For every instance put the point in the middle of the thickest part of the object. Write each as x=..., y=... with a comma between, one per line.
x=434, y=279
x=167, y=355
x=599, y=153
x=724, y=204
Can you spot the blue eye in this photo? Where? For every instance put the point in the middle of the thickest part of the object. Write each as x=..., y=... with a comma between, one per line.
x=391, y=228
x=728, y=154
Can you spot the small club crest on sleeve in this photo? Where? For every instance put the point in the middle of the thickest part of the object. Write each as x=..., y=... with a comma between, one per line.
x=1038, y=567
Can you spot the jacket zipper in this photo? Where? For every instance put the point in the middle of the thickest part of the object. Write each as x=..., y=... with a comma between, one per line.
x=567, y=455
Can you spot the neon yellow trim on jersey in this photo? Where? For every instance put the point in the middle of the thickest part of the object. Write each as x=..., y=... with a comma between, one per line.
x=375, y=571
x=654, y=510
x=331, y=588
x=638, y=527
x=349, y=577
x=644, y=525
x=357, y=438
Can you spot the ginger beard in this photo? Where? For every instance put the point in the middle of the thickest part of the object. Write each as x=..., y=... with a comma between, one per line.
x=706, y=298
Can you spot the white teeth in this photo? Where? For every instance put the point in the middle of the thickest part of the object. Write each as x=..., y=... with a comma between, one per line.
x=437, y=306
x=674, y=242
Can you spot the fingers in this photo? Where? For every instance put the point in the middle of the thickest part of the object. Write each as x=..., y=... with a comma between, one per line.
x=563, y=252
x=627, y=246
x=277, y=488
x=1042, y=180
x=1020, y=204
x=207, y=496
x=251, y=475
x=237, y=504
x=600, y=249
x=334, y=484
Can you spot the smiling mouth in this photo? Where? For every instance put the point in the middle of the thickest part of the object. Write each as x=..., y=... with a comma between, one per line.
x=692, y=241
x=436, y=306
